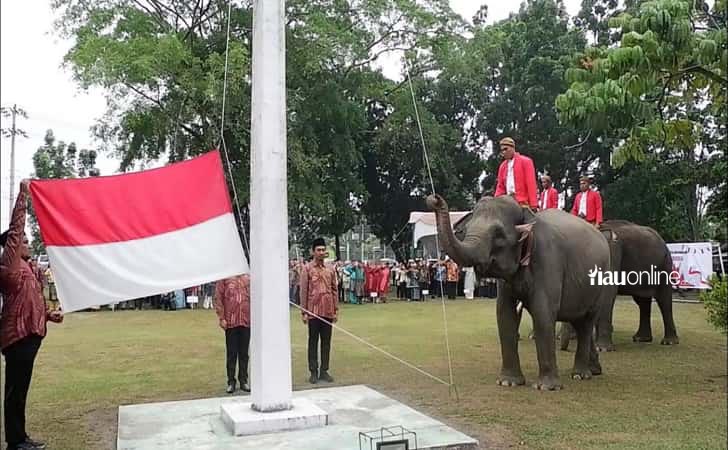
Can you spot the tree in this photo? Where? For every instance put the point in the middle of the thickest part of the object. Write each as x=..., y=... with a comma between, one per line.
x=661, y=92
x=395, y=172
x=163, y=64
x=58, y=160
x=593, y=18
x=513, y=72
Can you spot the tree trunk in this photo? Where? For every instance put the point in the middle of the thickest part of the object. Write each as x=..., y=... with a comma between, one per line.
x=244, y=230
x=399, y=252
x=338, y=247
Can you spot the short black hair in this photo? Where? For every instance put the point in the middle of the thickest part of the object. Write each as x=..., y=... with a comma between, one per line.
x=318, y=242
x=4, y=238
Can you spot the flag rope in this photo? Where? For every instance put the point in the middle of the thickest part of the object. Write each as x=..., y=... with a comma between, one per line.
x=222, y=130
x=450, y=384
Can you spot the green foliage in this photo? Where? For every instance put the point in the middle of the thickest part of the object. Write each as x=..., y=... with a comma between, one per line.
x=512, y=72
x=659, y=93
x=650, y=89
x=671, y=57
x=163, y=64
x=659, y=193
x=716, y=303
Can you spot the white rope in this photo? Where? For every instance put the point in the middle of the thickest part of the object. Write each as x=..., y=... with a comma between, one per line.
x=374, y=347
x=437, y=242
x=245, y=239
x=222, y=129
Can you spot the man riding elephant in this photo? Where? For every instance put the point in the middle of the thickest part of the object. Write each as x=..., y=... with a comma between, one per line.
x=542, y=260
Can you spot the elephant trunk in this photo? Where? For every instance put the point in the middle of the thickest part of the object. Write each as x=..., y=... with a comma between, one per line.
x=460, y=252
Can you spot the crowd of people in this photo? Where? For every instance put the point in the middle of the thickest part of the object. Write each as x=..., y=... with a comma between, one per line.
x=415, y=280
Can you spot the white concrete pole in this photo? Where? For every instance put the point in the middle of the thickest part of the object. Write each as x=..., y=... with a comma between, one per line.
x=270, y=321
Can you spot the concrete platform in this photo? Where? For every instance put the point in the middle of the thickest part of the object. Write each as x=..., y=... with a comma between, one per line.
x=241, y=420
x=197, y=424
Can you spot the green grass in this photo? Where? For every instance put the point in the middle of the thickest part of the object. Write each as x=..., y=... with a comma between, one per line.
x=650, y=396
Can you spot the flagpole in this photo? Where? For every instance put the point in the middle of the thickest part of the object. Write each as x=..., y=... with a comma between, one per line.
x=271, y=383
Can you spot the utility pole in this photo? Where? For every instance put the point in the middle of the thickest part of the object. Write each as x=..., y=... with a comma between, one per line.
x=11, y=133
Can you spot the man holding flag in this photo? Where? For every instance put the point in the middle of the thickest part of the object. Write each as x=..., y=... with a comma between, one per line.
x=23, y=323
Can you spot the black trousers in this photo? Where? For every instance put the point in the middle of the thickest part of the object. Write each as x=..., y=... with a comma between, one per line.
x=236, y=344
x=452, y=289
x=316, y=329
x=19, y=359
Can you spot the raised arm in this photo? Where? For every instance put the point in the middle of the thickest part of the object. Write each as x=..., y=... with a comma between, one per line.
x=16, y=232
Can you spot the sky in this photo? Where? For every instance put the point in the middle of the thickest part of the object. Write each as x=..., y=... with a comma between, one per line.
x=32, y=76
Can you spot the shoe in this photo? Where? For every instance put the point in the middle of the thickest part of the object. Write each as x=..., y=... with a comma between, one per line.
x=34, y=443
x=244, y=386
x=326, y=377
x=24, y=446
x=230, y=388
x=313, y=379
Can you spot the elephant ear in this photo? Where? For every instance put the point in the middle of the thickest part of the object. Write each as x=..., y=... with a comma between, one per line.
x=525, y=232
x=461, y=225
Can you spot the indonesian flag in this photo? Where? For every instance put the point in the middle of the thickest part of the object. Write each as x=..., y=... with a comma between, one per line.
x=128, y=236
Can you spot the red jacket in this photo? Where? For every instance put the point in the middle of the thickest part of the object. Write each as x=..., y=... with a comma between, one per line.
x=552, y=201
x=524, y=177
x=593, y=206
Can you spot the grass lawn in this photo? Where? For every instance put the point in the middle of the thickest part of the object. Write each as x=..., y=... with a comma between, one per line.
x=650, y=396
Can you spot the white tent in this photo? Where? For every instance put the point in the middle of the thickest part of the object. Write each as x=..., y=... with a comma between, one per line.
x=425, y=224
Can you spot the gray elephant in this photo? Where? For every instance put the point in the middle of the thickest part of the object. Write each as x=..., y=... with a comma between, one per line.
x=640, y=249
x=543, y=261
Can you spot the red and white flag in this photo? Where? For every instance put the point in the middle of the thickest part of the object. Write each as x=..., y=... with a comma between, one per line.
x=128, y=236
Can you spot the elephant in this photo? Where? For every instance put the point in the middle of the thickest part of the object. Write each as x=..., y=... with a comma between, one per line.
x=639, y=249
x=541, y=260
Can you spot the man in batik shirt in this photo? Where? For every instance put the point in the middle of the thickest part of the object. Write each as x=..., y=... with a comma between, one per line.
x=232, y=305
x=318, y=296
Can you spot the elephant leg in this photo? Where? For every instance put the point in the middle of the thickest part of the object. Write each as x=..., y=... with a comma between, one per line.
x=644, y=333
x=508, y=321
x=585, y=348
x=531, y=335
x=664, y=302
x=544, y=328
x=604, y=326
x=594, y=366
x=567, y=330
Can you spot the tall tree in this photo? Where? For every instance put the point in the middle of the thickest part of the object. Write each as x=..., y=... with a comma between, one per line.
x=163, y=64
x=662, y=92
x=514, y=71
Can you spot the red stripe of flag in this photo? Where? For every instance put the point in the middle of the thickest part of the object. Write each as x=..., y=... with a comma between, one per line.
x=119, y=208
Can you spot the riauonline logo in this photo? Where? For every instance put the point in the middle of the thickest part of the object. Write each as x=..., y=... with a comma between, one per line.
x=621, y=278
